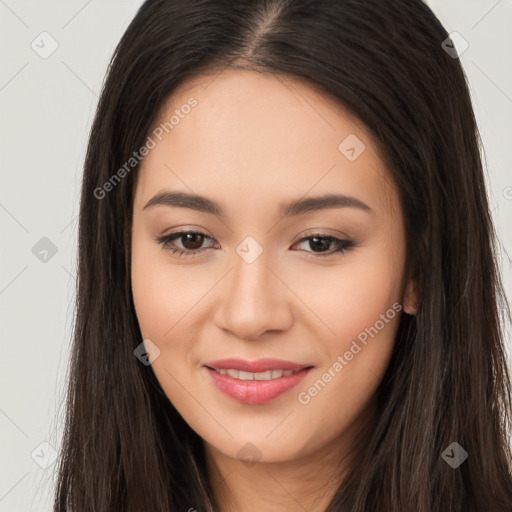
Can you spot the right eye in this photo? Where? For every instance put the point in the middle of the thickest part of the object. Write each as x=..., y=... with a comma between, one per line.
x=190, y=240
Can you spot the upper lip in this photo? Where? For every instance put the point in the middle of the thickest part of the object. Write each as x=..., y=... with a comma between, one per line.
x=260, y=365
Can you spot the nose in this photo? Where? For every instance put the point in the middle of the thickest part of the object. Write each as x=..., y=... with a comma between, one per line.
x=254, y=300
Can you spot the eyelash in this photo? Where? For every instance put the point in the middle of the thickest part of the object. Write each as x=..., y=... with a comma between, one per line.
x=342, y=245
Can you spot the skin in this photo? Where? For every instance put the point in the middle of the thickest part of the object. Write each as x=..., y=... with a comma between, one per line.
x=252, y=142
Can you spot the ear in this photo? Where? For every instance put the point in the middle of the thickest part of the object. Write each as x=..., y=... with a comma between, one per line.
x=410, y=297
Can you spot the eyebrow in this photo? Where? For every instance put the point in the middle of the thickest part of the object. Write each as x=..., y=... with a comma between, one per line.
x=293, y=208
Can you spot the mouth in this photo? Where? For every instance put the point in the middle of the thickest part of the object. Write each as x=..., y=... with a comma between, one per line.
x=266, y=375
x=255, y=382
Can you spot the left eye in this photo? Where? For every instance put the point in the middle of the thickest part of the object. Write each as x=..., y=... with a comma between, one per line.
x=192, y=241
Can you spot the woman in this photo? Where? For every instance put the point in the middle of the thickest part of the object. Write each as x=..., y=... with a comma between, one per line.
x=288, y=297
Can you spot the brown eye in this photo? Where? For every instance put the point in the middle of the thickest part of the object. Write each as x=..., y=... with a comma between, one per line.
x=320, y=244
x=191, y=242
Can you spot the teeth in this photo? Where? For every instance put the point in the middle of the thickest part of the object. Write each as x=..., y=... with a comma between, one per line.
x=267, y=375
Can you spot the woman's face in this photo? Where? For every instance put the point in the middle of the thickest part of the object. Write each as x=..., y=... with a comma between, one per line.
x=262, y=279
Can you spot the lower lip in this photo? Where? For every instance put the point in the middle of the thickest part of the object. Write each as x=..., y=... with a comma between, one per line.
x=256, y=391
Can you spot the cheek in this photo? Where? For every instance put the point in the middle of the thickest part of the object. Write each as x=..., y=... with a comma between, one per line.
x=358, y=303
x=147, y=289
x=162, y=293
x=352, y=296
x=163, y=298
x=170, y=308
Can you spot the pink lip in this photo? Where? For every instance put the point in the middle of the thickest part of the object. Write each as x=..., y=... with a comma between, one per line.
x=255, y=392
x=260, y=365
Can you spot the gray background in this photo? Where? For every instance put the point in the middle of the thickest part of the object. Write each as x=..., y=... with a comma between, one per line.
x=47, y=106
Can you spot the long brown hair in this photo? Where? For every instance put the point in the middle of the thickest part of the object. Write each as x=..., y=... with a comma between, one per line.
x=125, y=447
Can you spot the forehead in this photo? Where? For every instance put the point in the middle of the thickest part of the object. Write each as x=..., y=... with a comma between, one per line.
x=254, y=137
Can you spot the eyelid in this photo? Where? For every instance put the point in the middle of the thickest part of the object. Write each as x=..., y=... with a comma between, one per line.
x=165, y=240
x=343, y=244
x=321, y=232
